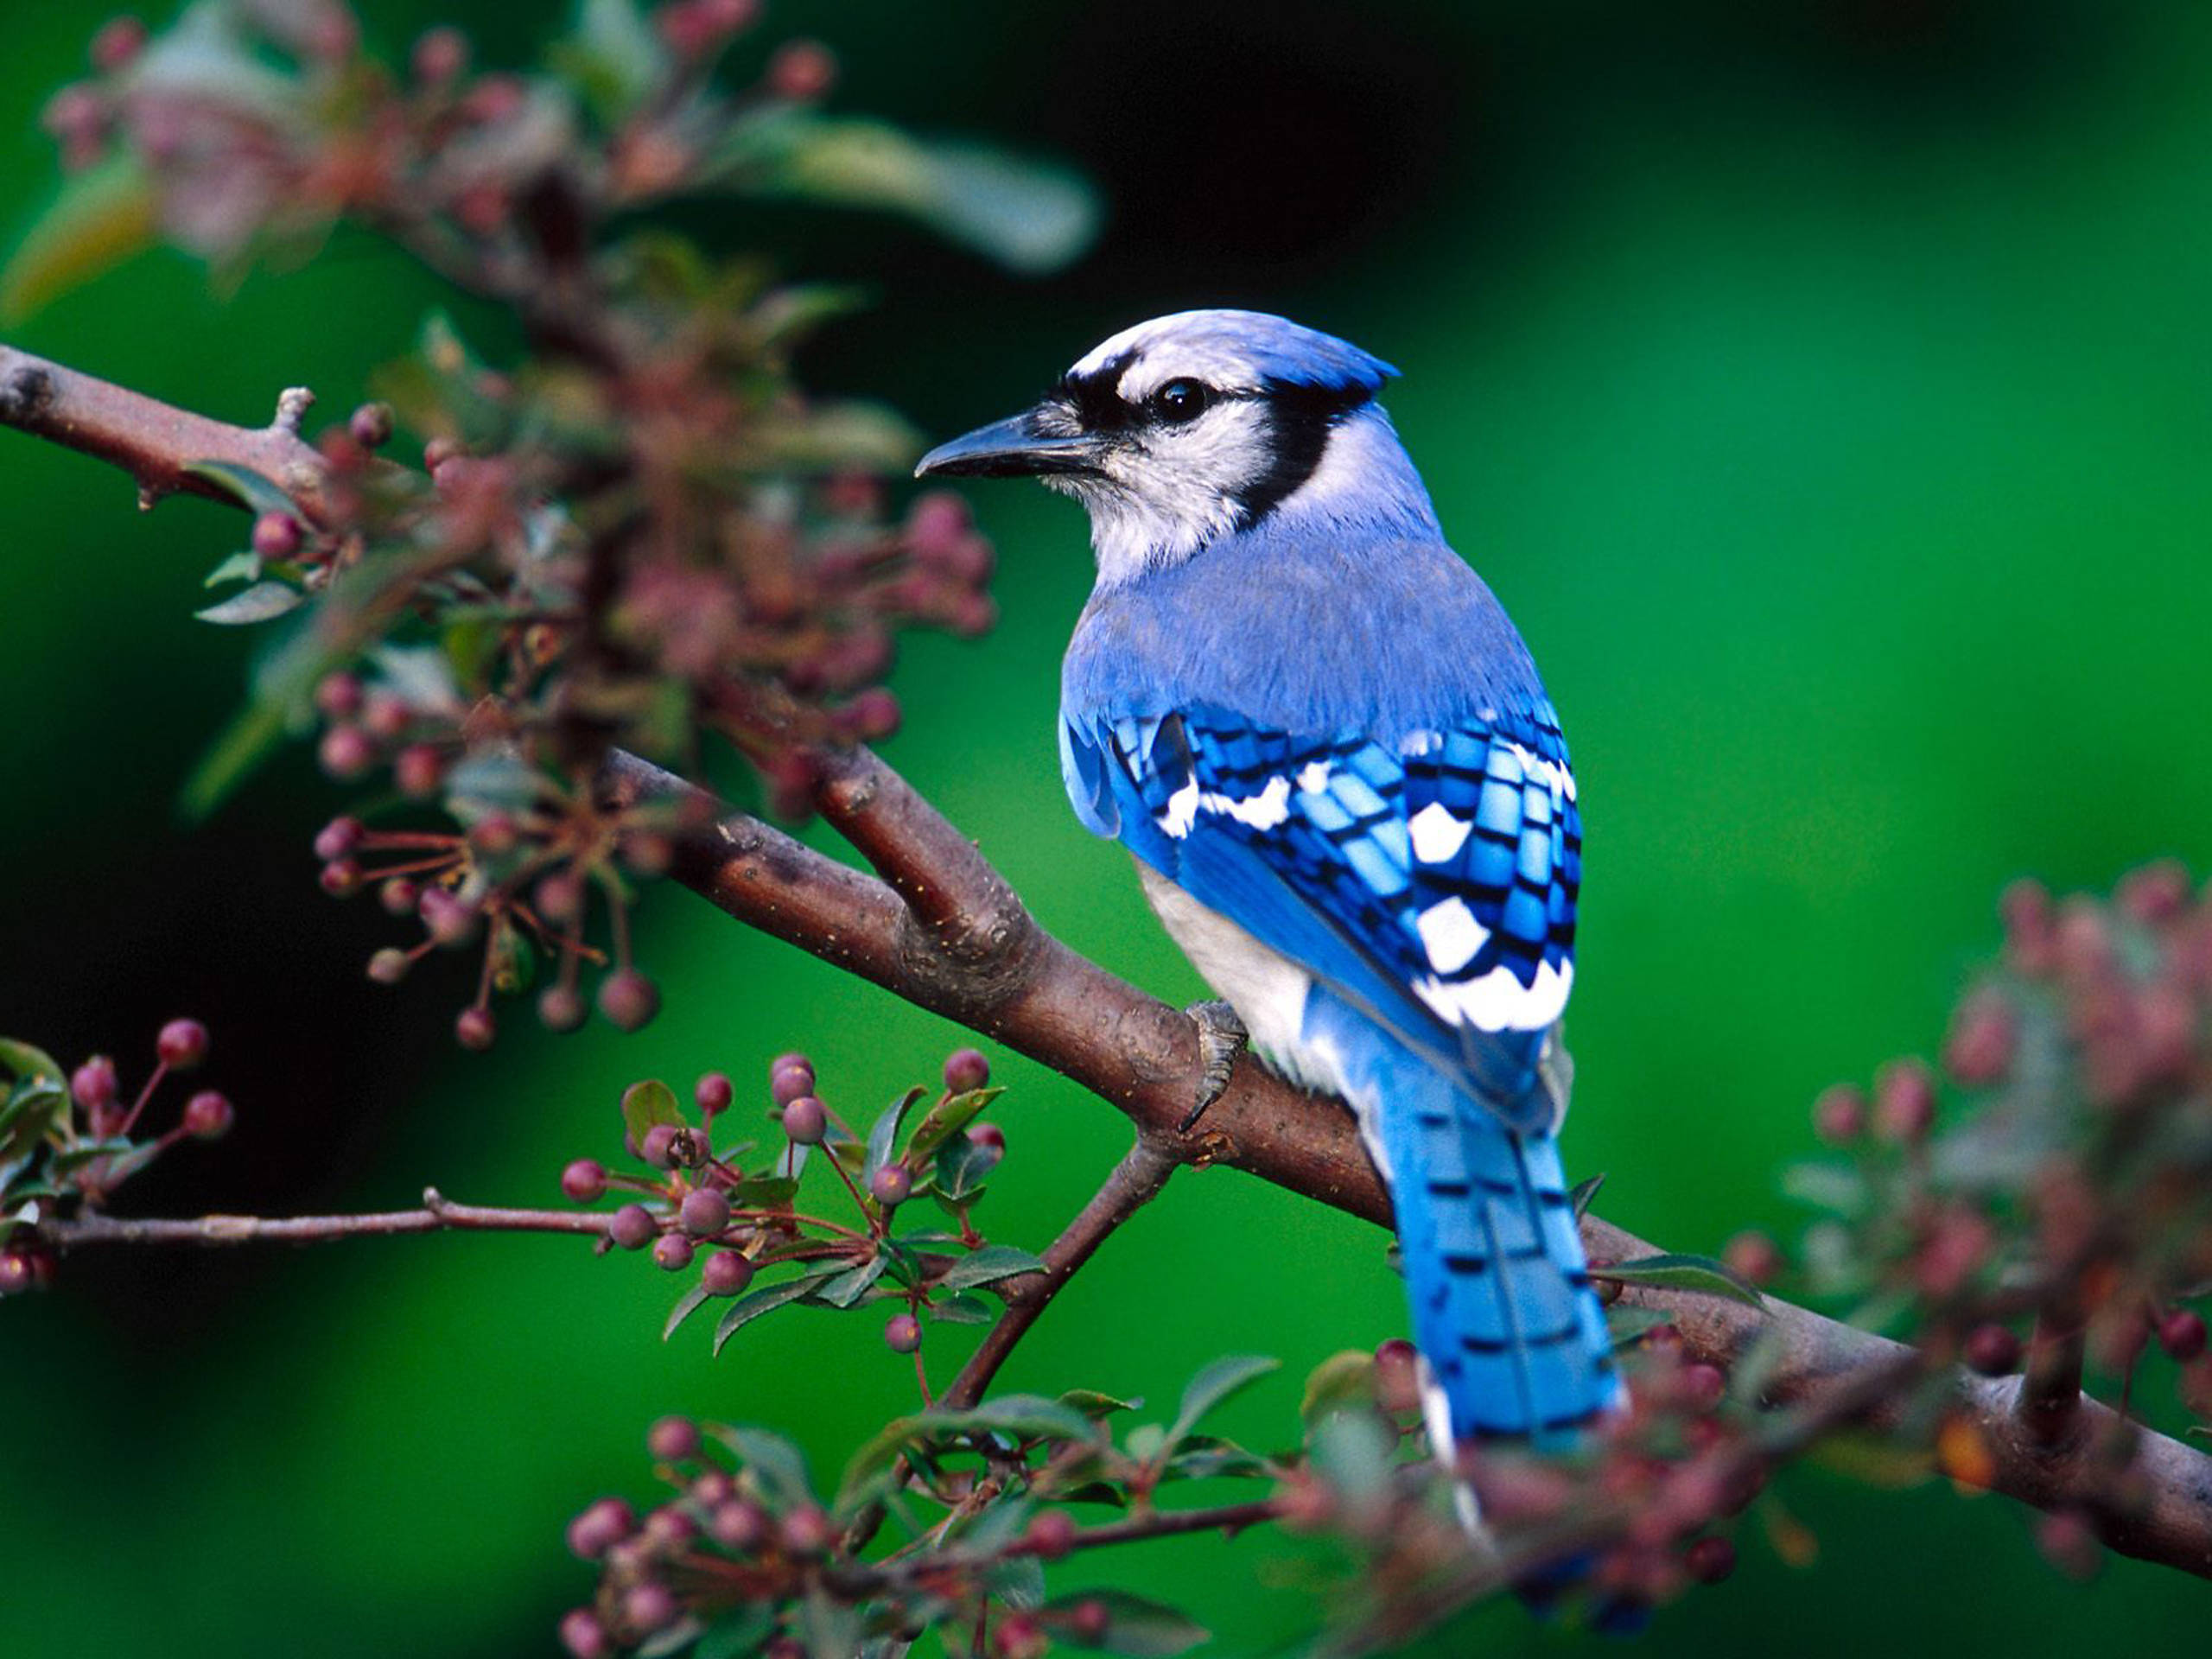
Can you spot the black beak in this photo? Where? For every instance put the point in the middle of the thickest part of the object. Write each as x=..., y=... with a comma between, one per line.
x=1010, y=448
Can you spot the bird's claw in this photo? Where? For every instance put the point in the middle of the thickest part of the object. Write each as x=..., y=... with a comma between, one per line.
x=1222, y=1038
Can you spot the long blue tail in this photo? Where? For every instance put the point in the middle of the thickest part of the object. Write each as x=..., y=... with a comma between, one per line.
x=1502, y=1308
x=1502, y=1311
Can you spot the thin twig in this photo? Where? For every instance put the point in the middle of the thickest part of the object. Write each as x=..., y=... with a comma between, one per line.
x=438, y=1214
x=1133, y=1184
x=2049, y=1402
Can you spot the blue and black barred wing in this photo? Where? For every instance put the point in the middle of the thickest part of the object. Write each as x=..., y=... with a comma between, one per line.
x=1433, y=882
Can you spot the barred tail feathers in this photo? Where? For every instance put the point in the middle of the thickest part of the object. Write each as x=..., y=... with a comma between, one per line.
x=1514, y=1338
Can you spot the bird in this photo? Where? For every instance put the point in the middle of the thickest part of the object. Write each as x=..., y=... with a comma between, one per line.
x=1348, y=802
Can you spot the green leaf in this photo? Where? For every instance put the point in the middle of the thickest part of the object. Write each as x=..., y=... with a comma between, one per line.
x=1029, y=216
x=240, y=567
x=1022, y=1416
x=883, y=1134
x=843, y=1289
x=1203, y=1458
x=85, y=1152
x=1214, y=1384
x=964, y=1309
x=737, y=1633
x=250, y=489
x=615, y=58
x=961, y=1168
x=1342, y=1380
x=1018, y=1582
x=989, y=1264
x=686, y=1305
x=647, y=1103
x=98, y=219
x=1698, y=1274
x=1031, y=1416
x=263, y=602
x=1093, y=1404
x=1584, y=1193
x=28, y=1114
x=22, y=1059
x=1352, y=1453
x=764, y=1191
x=945, y=1119
x=780, y=1465
x=766, y=1299
x=1134, y=1626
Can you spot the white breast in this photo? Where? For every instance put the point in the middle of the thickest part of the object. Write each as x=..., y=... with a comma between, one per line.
x=1266, y=988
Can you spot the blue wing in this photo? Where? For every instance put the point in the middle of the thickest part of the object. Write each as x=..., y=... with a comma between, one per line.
x=1431, y=882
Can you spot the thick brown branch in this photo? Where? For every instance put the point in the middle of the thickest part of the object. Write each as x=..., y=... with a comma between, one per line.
x=1133, y=1184
x=946, y=934
x=154, y=442
x=438, y=1215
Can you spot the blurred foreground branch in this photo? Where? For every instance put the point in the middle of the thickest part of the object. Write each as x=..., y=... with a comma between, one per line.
x=939, y=926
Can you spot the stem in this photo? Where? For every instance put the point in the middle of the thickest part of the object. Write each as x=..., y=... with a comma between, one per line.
x=2049, y=1403
x=438, y=1214
x=1135, y=1181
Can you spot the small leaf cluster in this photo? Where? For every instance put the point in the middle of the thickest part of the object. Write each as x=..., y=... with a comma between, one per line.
x=68, y=1140
x=731, y=1210
x=946, y=1519
x=637, y=532
x=2055, y=1169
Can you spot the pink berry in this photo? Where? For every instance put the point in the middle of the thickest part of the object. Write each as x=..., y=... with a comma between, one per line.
x=628, y=999
x=92, y=1086
x=2182, y=1334
x=966, y=1069
x=891, y=1185
x=560, y=1007
x=1710, y=1560
x=584, y=1181
x=1992, y=1350
x=389, y=966
x=673, y=1252
x=276, y=536
x=476, y=1029
x=714, y=1093
x=632, y=1227
x=1051, y=1535
x=726, y=1274
x=345, y=752
x=119, y=41
x=806, y=1121
x=788, y=1081
x=182, y=1045
x=703, y=1213
x=337, y=838
x=902, y=1334
x=208, y=1116
x=601, y=1527
x=672, y=1440
x=583, y=1635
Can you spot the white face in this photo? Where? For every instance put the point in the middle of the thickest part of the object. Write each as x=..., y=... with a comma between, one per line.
x=1165, y=487
x=1192, y=438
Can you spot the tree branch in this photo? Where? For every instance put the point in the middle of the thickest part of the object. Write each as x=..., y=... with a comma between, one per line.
x=1134, y=1183
x=439, y=1214
x=943, y=930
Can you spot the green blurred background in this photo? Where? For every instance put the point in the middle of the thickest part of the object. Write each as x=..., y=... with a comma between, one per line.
x=1823, y=384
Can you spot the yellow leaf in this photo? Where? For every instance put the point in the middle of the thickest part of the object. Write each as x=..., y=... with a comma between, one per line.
x=100, y=218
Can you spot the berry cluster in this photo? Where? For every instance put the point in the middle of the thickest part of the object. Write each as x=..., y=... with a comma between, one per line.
x=642, y=535
x=698, y=1205
x=2051, y=1173
x=68, y=1142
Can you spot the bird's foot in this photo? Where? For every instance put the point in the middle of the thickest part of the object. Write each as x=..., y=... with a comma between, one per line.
x=1222, y=1038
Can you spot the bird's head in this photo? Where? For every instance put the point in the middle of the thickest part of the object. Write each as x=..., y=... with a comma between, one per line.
x=1190, y=427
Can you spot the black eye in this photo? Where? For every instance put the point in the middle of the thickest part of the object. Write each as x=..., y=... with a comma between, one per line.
x=1182, y=400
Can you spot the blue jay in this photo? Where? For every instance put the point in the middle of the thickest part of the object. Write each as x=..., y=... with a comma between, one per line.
x=1348, y=802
